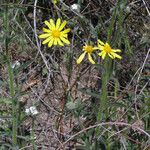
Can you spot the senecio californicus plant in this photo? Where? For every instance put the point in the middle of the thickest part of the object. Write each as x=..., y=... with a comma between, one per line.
x=55, y=35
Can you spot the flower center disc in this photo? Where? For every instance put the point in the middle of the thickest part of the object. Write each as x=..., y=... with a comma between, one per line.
x=56, y=33
x=107, y=48
x=88, y=49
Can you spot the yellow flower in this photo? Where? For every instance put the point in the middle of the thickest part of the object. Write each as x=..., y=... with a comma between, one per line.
x=107, y=50
x=54, y=34
x=87, y=49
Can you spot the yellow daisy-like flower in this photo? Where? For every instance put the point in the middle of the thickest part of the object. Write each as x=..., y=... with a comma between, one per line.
x=87, y=49
x=55, y=35
x=107, y=50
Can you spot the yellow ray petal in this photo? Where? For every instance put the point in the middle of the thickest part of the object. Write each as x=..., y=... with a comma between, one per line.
x=116, y=50
x=50, y=43
x=58, y=22
x=62, y=25
x=116, y=55
x=90, y=58
x=55, y=41
x=52, y=23
x=83, y=48
x=79, y=60
x=60, y=42
x=103, y=55
x=48, y=24
x=107, y=45
x=100, y=42
x=64, y=40
x=111, y=56
x=46, y=30
x=100, y=47
x=95, y=48
x=64, y=35
x=44, y=35
x=47, y=40
x=65, y=31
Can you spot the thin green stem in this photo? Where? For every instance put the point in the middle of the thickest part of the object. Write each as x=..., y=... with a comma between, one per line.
x=103, y=98
x=104, y=94
x=32, y=135
x=14, y=104
x=11, y=83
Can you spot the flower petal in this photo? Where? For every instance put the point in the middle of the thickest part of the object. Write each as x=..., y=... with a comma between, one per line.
x=62, y=25
x=42, y=36
x=95, y=48
x=115, y=55
x=46, y=30
x=100, y=42
x=90, y=58
x=52, y=24
x=116, y=50
x=63, y=35
x=50, y=42
x=58, y=22
x=55, y=41
x=111, y=56
x=60, y=42
x=79, y=60
x=48, y=24
x=47, y=40
x=65, y=31
x=84, y=47
x=64, y=40
x=103, y=55
x=106, y=44
x=100, y=47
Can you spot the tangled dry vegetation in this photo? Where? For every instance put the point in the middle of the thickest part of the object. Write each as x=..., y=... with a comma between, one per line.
x=66, y=95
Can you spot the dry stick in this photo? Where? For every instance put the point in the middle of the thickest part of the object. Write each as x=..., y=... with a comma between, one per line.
x=102, y=124
x=23, y=5
x=144, y=87
x=38, y=45
x=44, y=103
x=36, y=37
x=25, y=33
x=132, y=79
x=146, y=7
x=17, y=10
x=29, y=147
x=138, y=79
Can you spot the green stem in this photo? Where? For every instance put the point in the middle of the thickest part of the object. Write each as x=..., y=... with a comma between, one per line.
x=11, y=84
x=104, y=93
x=32, y=135
x=14, y=104
x=103, y=99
